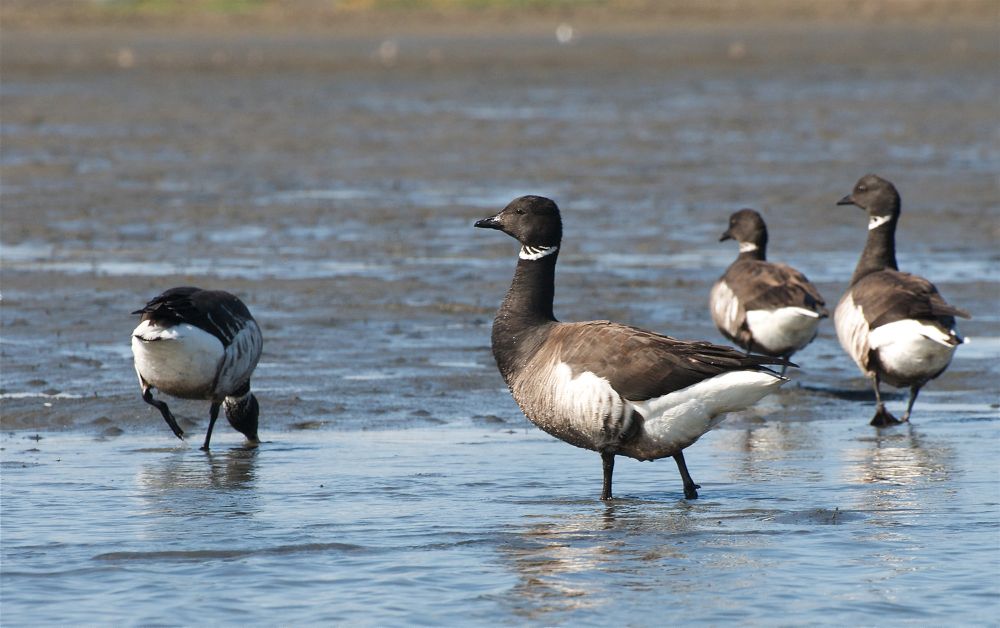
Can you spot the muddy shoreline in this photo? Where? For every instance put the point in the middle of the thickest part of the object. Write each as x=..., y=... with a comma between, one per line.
x=333, y=186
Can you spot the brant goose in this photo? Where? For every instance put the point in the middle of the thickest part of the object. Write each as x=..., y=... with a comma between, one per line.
x=895, y=325
x=199, y=344
x=603, y=386
x=762, y=306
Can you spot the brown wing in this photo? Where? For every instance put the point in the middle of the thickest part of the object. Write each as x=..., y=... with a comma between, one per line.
x=890, y=295
x=642, y=365
x=761, y=285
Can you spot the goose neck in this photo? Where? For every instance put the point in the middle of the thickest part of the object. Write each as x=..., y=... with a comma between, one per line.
x=880, y=250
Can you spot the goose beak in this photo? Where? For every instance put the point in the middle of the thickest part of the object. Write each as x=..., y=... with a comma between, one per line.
x=847, y=200
x=726, y=236
x=493, y=222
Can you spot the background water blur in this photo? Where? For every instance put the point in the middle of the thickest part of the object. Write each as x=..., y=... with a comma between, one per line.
x=326, y=164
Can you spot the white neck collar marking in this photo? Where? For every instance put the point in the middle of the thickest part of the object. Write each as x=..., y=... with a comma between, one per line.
x=875, y=222
x=536, y=252
x=746, y=247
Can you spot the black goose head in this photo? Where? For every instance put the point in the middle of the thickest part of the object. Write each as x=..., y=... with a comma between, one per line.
x=242, y=413
x=533, y=220
x=746, y=227
x=876, y=196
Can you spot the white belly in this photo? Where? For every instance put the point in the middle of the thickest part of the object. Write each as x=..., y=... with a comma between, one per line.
x=782, y=330
x=911, y=351
x=181, y=360
x=676, y=420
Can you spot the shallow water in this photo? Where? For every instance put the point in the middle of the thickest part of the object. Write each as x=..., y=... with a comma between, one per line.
x=398, y=482
x=798, y=519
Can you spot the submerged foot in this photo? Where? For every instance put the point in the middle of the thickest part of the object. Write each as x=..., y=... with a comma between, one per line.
x=883, y=418
x=691, y=491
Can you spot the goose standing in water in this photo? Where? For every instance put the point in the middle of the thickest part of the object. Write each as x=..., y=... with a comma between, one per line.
x=762, y=306
x=603, y=386
x=895, y=326
x=199, y=344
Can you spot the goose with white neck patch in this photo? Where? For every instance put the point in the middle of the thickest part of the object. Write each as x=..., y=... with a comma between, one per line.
x=603, y=386
x=199, y=344
x=762, y=306
x=895, y=326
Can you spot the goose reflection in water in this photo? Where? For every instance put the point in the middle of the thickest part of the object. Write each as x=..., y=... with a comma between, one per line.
x=584, y=561
x=897, y=465
x=187, y=484
x=759, y=450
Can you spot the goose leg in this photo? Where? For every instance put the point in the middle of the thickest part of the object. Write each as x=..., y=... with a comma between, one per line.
x=914, y=391
x=147, y=396
x=690, y=488
x=882, y=418
x=608, y=461
x=213, y=415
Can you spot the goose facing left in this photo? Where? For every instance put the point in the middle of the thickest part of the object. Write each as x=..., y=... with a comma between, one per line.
x=604, y=386
x=199, y=344
x=896, y=326
x=762, y=306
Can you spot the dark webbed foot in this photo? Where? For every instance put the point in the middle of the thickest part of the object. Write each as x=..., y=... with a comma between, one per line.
x=883, y=418
x=147, y=396
x=690, y=488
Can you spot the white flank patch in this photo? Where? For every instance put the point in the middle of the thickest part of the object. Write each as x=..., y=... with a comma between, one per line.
x=574, y=409
x=852, y=331
x=679, y=418
x=587, y=397
x=912, y=349
x=874, y=222
x=180, y=360
x=536, y=252
x=725, y=308
x=784, y=329
x=747, y=247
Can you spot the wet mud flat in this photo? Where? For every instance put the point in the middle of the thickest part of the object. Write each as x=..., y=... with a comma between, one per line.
x=332, y=183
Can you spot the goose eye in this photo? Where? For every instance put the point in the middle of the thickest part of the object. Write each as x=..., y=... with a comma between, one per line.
x=519, y=211
x=862, y=188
